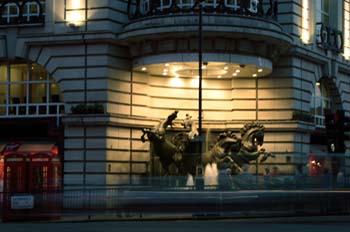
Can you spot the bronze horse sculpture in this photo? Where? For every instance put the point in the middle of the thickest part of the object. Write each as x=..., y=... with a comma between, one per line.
x=227, y=151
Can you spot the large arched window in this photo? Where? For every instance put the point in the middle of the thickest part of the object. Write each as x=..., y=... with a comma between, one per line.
x=27, y=89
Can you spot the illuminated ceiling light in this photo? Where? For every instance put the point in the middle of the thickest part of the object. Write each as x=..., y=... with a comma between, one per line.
x=166, y=65
x=238, y=71
x=165, y=70
x=165, y=73
x=234, y=74
x=225, y=68
x=143, y=68
x=204, y=66
x=219, y=76
x=318, y=83
x=254, y=75
x=260, y=70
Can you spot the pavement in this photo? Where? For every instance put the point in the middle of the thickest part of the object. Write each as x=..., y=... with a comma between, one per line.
x=278, y=224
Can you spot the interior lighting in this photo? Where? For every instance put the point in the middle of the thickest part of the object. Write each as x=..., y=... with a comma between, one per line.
x=305, y=33
x=318, y=83
x=176, y=81
x=219, y=76
x=238, y=71
x=234, y=74
x=143, y=68
x=225, y=68
x=260, y=70
x=346, y=30
x=167, y=65
x=254, y=75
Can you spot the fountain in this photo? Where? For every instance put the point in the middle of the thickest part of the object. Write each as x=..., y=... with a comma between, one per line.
x=211, y=175
x=190, y=181
x=228, y=152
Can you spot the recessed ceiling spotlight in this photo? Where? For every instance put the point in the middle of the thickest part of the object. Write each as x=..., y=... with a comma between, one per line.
x=260, y=70
x=165, y=70
x=219, y=76
x=164, y=73
x=234, y=74
x=225, y=68
x=143, y=68
x=238, y=71
x=254, y=75
x=167, y=64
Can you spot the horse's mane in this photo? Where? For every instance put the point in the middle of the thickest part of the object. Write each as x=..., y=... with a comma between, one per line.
x=250, y=126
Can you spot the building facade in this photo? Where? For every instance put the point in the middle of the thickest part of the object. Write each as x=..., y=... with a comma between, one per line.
x=94, y=73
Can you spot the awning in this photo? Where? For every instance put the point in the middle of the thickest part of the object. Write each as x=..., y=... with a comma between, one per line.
x=28, y=146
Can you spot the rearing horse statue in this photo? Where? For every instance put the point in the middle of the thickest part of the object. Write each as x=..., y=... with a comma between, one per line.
x=167, y=151
x=228, y=149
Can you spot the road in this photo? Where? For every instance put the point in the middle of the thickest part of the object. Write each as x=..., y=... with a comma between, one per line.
x=310, y=224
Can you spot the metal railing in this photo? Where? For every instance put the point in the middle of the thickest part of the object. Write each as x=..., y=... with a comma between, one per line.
x=261, y=8
x=31, y=110
x=118, y=202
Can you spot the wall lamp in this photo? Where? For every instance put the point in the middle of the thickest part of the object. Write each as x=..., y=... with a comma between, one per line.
x=75, y=13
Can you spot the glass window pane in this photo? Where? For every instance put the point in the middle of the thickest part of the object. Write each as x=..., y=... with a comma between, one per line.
x=38, y=73
x=3, y=73
x=325, y=6
x=14, y=9
x=55, y=93
x=34, y=9
x=17, y=93
x=37, y=92
x=2, y=94
x=18, y=72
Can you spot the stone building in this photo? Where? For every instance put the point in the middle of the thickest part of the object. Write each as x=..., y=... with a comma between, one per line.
x=280, y=63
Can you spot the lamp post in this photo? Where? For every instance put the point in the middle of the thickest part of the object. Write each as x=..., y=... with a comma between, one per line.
x=200, y=56
x=199, y=171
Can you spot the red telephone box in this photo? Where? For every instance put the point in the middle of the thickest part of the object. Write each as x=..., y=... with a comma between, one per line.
x=1, y=178
x=15, y=175
x=31, y=185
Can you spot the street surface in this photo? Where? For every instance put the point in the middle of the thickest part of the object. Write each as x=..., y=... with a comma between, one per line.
x=309, y=224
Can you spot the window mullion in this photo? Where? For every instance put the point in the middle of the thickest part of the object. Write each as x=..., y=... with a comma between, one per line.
x=48, y=94
x=8, y=89
x=28, y=87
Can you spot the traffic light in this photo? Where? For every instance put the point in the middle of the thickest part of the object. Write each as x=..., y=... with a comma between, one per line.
x=346, y=128
x=335, y=128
